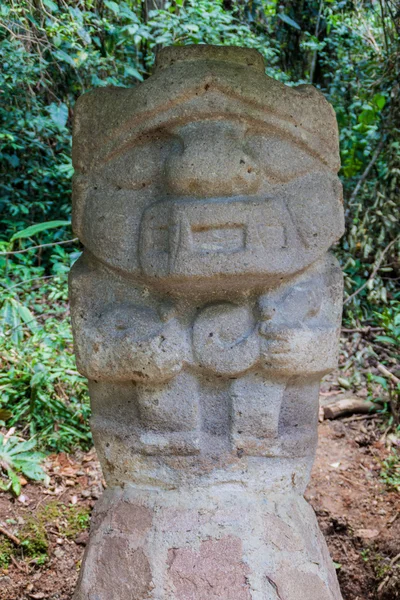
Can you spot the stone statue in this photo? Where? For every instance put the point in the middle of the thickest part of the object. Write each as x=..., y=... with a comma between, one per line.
x=206, y=308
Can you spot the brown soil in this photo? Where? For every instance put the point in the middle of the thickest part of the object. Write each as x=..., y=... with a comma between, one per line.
x=358, y=514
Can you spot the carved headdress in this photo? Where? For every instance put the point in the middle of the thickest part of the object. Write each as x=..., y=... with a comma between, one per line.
x=203, y=82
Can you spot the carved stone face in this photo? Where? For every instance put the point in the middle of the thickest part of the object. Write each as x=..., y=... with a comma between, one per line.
x=209, y=184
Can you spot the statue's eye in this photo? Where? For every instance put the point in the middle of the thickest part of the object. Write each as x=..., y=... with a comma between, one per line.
x=140, y=167
x=281, y=160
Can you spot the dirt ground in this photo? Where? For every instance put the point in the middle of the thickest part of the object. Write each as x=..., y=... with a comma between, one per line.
x=358, y=514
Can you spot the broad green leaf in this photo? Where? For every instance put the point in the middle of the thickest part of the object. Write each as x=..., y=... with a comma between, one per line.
x=32, y=470
x=52, y=6
x=27, y=317
x=367, y=117
x=381, y=380
x=15, y=482
x=85, y=36
x=12, y=319
x=8, y=314
x=5, y=486
x=134, y=72
x=37, y=379
x=18, y=456
x=17, y=446
x=379, y=100
x=30, y=456
x=59, y=114
x=113, y=6
x=72, y=430
x=386, y=339
x=289, y=21
x=38, y=228
x=64, y=57
x=12, y=159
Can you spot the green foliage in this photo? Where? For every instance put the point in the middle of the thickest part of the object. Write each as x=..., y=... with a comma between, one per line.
x=389, y=338
x=33, y=150
x=6, y=552
x=389, y=320
x=33, y=533
x=42, y=389
x=360, y=61
x=34, y=540
x=18, y=456
x=206, y=22
x=12, y=316
x=39, y=383
x=76, y=519
x=391, y=470
x=38, y=228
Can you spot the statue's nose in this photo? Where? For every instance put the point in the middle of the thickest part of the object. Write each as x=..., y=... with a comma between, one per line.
x=212, y=162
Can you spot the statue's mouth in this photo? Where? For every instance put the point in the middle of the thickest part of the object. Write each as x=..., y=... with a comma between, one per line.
x=195, y=238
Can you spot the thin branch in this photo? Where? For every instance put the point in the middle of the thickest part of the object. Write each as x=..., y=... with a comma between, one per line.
x=315, y=54
x=10, y=535
x=11, y=287
x=367, y=170
x=366, y=329
x=388, y=373
x=374, y=272
x=387, y=578
x=384, y=26
x=22, y=324
x=40, y=246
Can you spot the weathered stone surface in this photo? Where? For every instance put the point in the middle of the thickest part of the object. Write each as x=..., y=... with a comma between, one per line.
x=206, y=308
x=215, y=571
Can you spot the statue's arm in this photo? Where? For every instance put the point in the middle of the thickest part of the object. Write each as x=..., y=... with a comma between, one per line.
x=300, y=325
x=120, y=333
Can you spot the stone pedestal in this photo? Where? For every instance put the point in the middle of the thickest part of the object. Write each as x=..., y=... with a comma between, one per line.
x=206, y=308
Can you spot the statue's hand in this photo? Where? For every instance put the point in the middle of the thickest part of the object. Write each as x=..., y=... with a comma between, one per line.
x=132, y=343
x=298, y=351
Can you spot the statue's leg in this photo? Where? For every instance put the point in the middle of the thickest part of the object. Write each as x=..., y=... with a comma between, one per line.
x=169, y=415
x=255, y=411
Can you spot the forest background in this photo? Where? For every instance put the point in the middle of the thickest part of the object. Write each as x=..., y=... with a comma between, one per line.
x=52, y=51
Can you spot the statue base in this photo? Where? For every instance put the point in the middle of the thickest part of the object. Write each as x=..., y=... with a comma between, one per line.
x=221, y=541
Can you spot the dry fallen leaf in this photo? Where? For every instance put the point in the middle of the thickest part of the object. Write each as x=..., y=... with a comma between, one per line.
x=367, y=534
